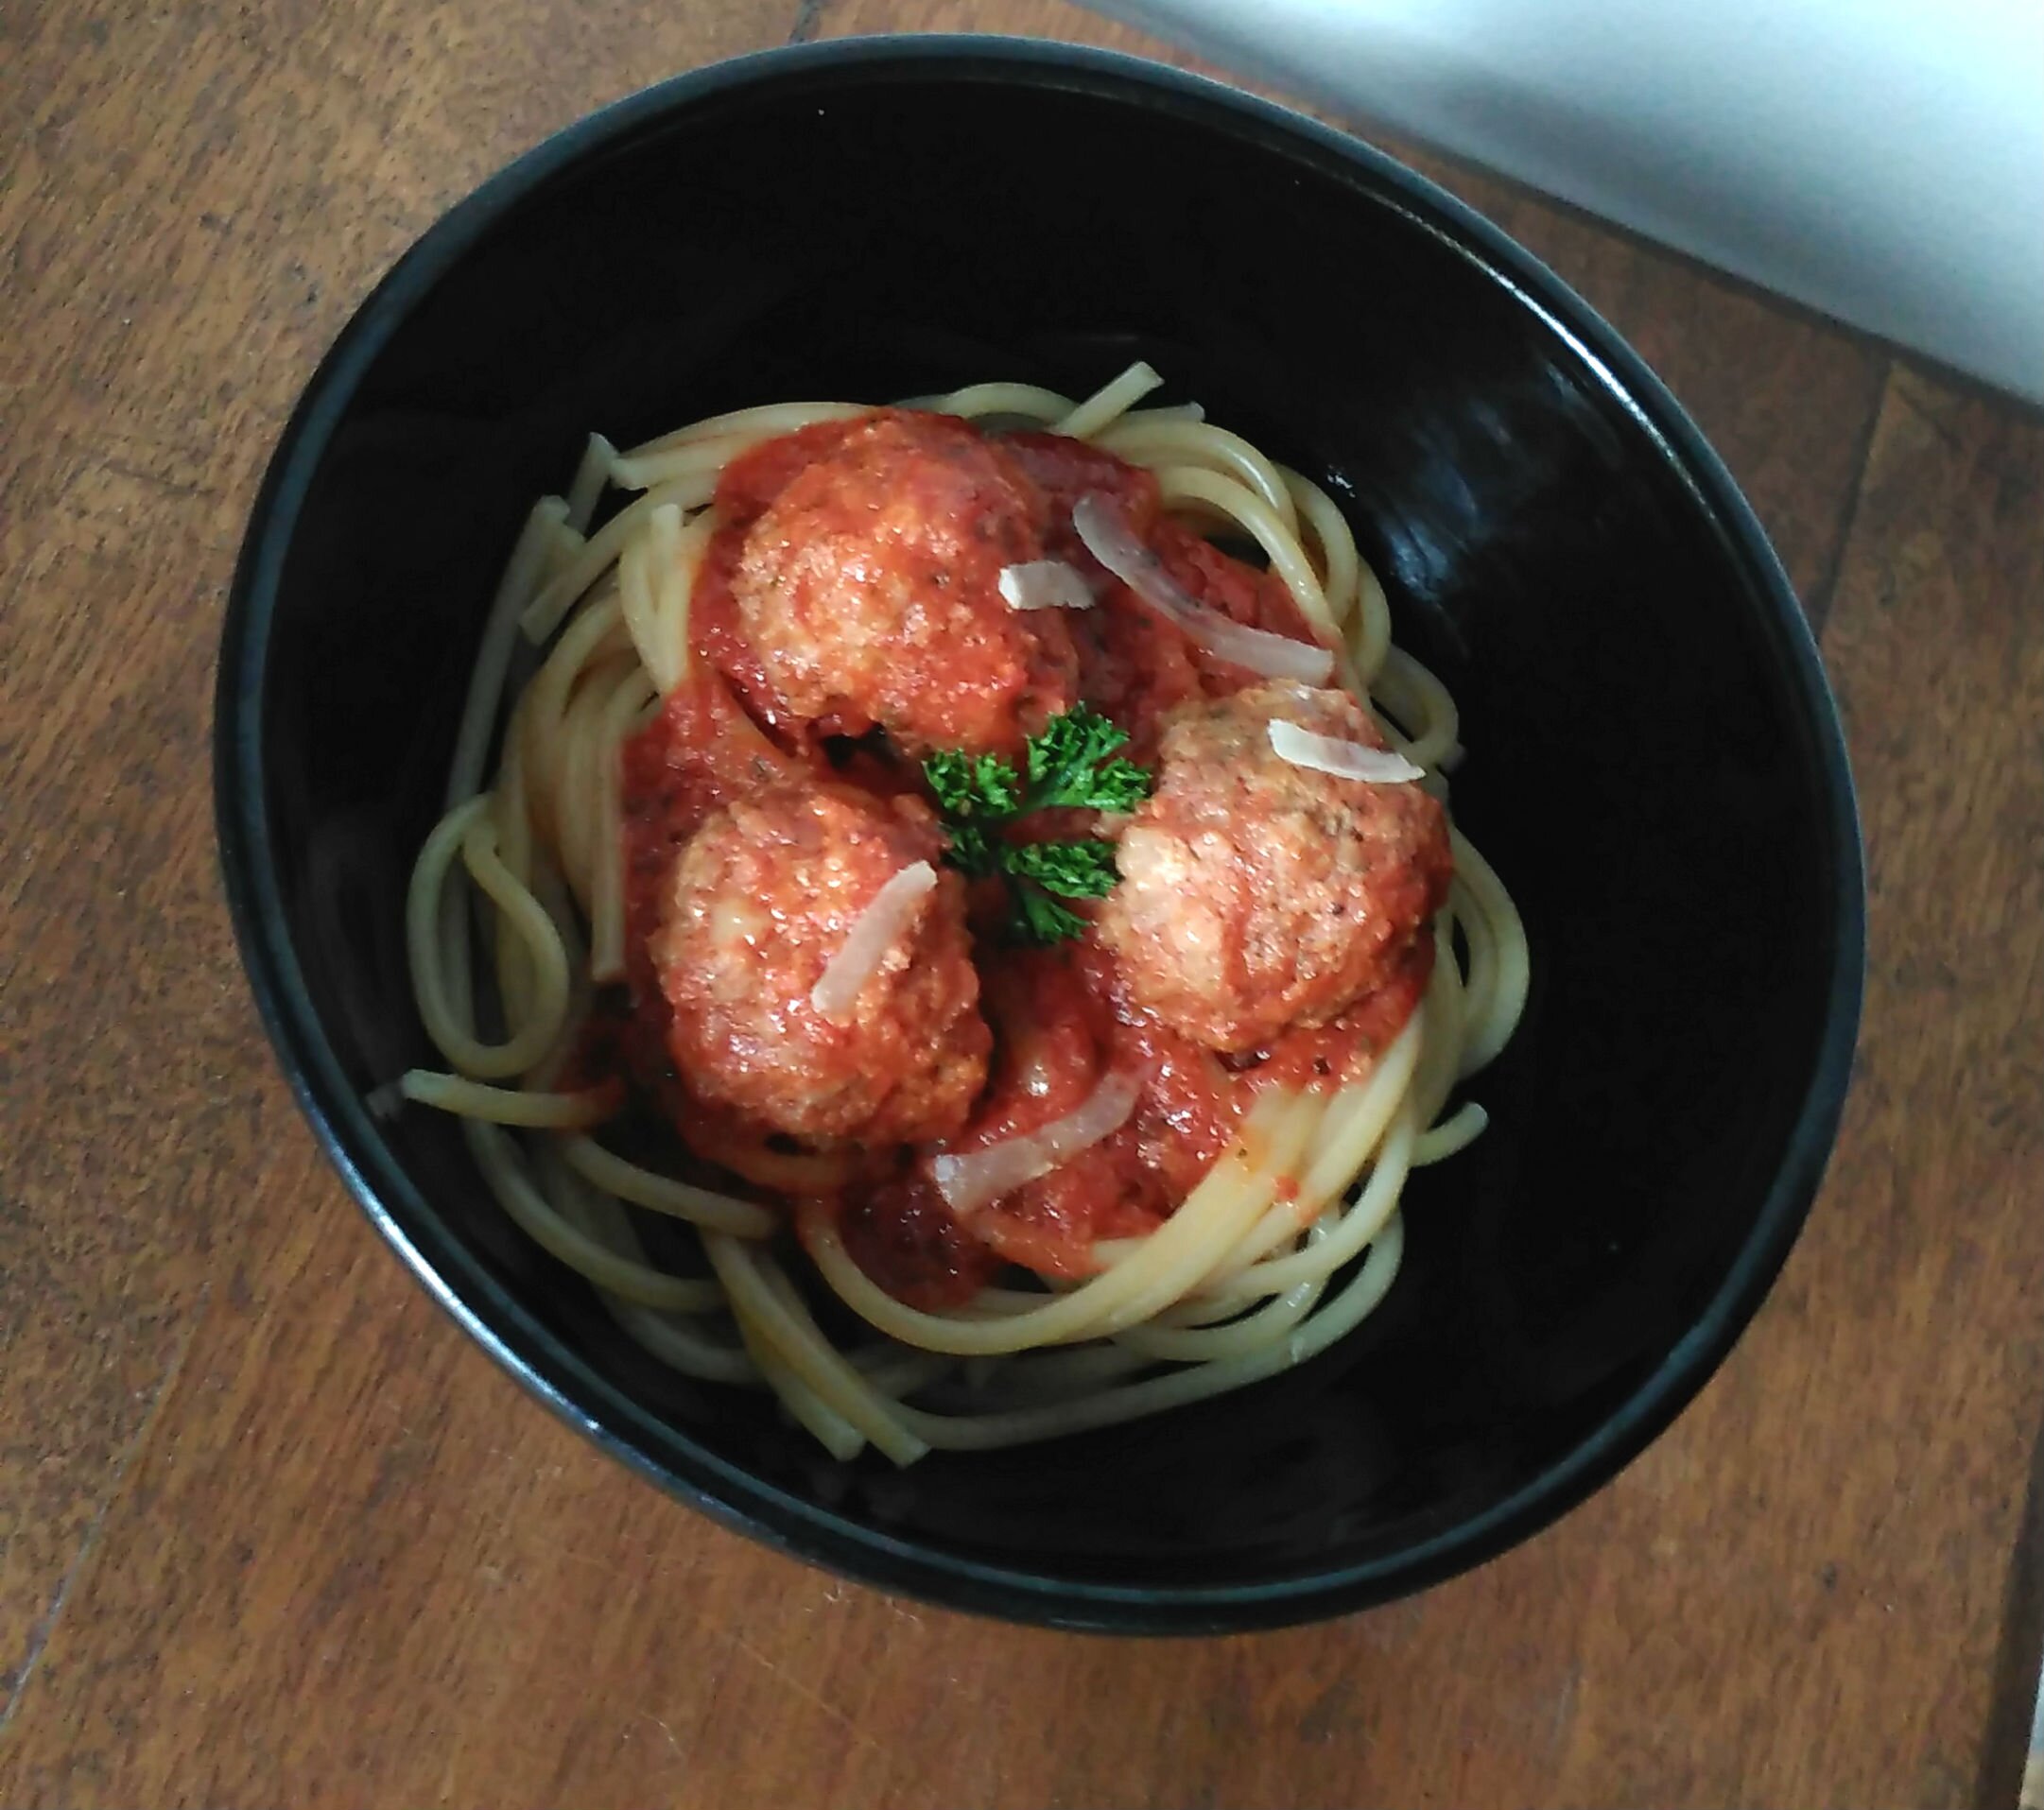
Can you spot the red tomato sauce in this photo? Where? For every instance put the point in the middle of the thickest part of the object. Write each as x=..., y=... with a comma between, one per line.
x=700, y=751
x=903, y=1236
x=1064, y=470
x=718, y=639
x=761, y=472
x=1061, y=1021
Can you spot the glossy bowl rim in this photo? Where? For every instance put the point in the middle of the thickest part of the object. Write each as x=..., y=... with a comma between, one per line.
x=570, y=1385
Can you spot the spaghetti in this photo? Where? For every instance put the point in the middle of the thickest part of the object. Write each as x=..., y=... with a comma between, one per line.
x=1272, y=1247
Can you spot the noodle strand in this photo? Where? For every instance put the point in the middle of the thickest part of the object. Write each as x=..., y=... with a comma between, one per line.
x=1285, y=1246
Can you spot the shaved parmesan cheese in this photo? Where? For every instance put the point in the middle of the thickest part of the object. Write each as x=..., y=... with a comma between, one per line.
x=1045, y=584
x=972, y=1180
x=878, y=929
x=1109, y=539
x=1345, y=760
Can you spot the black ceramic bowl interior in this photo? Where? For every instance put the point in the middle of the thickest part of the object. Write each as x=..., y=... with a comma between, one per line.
x=1653, y=765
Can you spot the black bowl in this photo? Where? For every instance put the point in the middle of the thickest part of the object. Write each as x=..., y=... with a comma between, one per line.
x=1655, y=766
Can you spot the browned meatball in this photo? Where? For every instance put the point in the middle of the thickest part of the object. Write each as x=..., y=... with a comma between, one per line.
x=760, y=899
x=1256, y=896
x=868, y=588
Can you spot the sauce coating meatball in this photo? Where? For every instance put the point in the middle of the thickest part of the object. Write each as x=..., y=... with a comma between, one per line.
x=870, y=589
x=758, y=901
x=1258, y=896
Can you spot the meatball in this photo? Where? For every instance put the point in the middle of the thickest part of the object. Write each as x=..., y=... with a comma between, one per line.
x=870, y=589
x=1258, y=896
x=757, y=902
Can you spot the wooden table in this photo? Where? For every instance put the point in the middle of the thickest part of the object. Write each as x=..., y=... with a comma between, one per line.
x=275, y=1532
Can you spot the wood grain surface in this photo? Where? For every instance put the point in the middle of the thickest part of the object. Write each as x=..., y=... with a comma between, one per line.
x=274, y=1532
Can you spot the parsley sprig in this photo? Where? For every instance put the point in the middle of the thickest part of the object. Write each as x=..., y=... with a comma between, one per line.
x=1073, y=764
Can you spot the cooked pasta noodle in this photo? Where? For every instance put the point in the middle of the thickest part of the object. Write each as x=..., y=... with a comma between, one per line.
x=1291, y=1239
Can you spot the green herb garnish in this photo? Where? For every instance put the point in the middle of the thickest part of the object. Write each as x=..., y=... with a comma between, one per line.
x=1081, y=869
x=1072, y=765
x=973, y=786
x=1039, y=918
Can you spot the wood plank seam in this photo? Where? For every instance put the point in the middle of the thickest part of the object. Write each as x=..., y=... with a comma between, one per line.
x=2011, y=1752
x=1817, y=603
x=232, y=1615
x=40, y=1635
